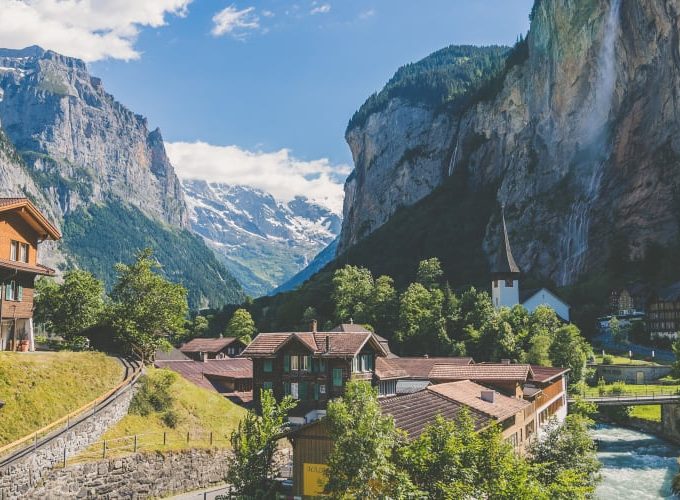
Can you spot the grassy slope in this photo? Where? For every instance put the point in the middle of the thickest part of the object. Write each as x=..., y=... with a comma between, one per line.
x=200, y=412
x=622, y=360
x=39, y=388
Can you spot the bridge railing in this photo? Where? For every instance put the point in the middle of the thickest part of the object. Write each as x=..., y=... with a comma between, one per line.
x=636, y=395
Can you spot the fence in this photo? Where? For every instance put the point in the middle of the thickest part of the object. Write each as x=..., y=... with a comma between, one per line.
x=30, y=443
x=149, y=441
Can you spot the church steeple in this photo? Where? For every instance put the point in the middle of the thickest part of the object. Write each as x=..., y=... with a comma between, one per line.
x=505, y=263
x=505, y=272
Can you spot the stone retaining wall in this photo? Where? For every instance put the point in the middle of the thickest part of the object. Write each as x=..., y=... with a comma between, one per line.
x=21, y=476
x=141, y=475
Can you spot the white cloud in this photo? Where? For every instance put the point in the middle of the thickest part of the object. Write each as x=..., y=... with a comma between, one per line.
x=278, y=172
x=88, y=29
x=324, y=8
x=366, y=14
x=232, y=21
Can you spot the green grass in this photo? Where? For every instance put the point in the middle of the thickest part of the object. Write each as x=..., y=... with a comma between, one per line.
x=39, y=388
x=647, y=412
x=200, y=412
x=622, y=360
x=637, y=389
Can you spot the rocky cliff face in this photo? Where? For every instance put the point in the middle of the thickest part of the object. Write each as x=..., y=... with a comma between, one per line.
x=262, y=241
x=581, y=140
x=78, y=142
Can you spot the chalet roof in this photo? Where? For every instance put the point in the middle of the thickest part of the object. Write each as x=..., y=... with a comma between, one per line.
x=25, y=267
x=350, y=327
x=543, y=374
x=208, y=344
x=469, y=394
x=413, y=412
x=482, y=371
x=525, y=295
x=171, y=355
x=385, y=369
x=418, y=367
x=30, y=213
x=505, y=262
x=338, y=343
x=199, y=372
x=671, y=293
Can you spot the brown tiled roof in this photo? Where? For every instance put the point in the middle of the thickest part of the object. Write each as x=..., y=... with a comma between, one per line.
x=385, y=369
x=208, y=344
x=11, y=201
x=171, y=355
x=470, y=394
x=29, y=268
x=198, y=372
x=413, y=412
x=341, y=344
x=482, y=371
x=350, y=328
x=544, y=374
x=421, y=367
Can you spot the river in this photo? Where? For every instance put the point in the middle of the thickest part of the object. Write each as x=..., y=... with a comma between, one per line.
x=636, y=465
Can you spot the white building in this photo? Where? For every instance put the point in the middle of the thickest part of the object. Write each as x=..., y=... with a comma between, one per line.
x=505, y=291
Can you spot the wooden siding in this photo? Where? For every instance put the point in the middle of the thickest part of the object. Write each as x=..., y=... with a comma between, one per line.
x=19, y=309
x=13, y=227
x=311, y=445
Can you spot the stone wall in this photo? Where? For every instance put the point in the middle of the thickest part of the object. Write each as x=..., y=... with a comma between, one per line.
x=141, y=475
x=19, y=477
x=629, y=373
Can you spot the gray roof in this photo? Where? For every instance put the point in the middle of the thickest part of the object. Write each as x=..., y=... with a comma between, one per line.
x=411, y=386
x=505, y=262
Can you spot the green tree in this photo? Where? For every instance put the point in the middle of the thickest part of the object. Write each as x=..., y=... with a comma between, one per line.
x=429, y=273
x=308, y=315
x=74, y=306
x=352, y=289
x=146, y=308
x=45, y=301
x=241, y=326
x=199, y=326
x=539, y=350
x=251, y=468
x=360, y=465
x=422, y=326
x=570, y=350
x=383, y=306
x=565, y=459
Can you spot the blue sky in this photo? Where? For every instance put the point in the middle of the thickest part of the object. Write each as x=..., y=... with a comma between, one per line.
x=266, y=76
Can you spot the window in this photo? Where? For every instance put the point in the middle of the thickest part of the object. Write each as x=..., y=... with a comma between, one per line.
x=305, y=362
x=268, y=365
x=13, y=250
x=356, y=365
x=286, y=389
x=366, y=362
x=14, y=291
x=294, y=363
x=294, y=390
x=387, y=388
x=337, y=377
x=230, y=351
x=23, y=252
x=267, y=386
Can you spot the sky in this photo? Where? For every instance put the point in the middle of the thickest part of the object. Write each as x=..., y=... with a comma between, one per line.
x=256, y=92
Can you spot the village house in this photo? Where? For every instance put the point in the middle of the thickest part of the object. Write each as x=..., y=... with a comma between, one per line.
x=412, y=413
x=200, y=349
x=22, y=228
x=663, y=313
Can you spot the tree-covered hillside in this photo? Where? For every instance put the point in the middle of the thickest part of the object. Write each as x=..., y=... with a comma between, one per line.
x=102, y=235
x=440, y=78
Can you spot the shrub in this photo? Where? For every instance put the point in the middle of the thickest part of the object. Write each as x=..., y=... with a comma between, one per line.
x=607, y=359
x=78, y=343
x=153, y=394
x=170, y=418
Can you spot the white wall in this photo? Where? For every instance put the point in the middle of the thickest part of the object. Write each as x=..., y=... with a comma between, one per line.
x=504, y=296
x=544, y=297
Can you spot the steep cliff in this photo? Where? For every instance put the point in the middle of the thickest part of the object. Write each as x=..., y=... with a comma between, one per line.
x=578, y=138
x=99, y=173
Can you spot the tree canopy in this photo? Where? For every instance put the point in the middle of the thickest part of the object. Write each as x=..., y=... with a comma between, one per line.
x=241, y=326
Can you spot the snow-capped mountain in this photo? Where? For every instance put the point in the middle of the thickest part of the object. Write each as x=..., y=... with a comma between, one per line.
x=261, y=240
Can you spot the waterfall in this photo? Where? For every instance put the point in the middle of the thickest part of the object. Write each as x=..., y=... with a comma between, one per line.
x=574, y=239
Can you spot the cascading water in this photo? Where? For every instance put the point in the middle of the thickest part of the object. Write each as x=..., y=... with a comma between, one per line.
x=574, y=239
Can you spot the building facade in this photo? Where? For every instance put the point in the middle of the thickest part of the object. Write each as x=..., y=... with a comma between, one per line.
x=200, y=349
x=22, y=228
x=663, y=313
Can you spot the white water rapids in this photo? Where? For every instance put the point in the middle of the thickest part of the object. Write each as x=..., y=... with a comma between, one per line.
x=636, y=466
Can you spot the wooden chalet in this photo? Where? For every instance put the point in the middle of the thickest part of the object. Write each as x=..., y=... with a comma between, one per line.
x=22, y=228
x=200, y=349
x=663, y=313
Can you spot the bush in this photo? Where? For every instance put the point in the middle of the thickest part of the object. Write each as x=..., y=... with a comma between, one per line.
x=153, y=394
x=607, y=359
x=170, y=418
x=78, y=343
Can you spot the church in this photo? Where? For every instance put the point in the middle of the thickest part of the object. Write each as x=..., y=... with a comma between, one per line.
x=505, y=289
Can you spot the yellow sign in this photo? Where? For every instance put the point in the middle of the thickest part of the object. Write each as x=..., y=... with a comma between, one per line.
x=314, y=479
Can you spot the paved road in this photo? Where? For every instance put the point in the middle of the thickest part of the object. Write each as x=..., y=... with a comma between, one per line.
x=209, y=494
x=609, y=345
x=633, y=400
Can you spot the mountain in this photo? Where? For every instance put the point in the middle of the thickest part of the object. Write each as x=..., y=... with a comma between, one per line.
x=317, y=264
x=575, y=132
x=261, y=241
x=99, y=172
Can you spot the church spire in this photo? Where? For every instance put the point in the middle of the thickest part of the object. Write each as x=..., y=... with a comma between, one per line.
x=505, y=263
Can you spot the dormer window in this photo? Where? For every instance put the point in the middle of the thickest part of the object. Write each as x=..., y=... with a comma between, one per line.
x=362, y=363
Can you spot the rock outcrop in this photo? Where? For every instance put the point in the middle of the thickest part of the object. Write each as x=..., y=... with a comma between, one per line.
x=580, y=139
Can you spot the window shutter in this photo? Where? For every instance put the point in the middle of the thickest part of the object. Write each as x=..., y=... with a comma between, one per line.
x=303, y=391
x=20, y=292
x=337, y=377
x=286, y=363
x=8, y=291
x=316, y=392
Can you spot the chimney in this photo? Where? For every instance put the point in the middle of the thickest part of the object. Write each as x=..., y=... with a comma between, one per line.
x=505, y=361
x=205, y=357
x=489, y=396
x=426, y=356
x=313, y=326
x=328, y=343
